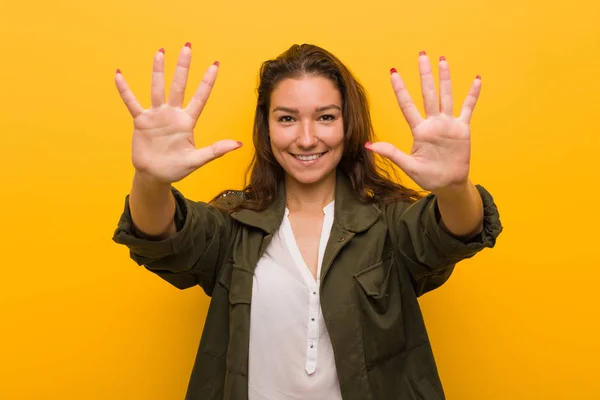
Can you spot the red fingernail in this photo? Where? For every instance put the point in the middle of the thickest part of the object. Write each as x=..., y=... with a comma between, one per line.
x=217, y=63
x=422, y=53
x=368, y=144
x=442, y=58
x=393, y=71
x=162, y=50
x=240, y=143
x=478, y=77
x=118, y=71
x=188, y=44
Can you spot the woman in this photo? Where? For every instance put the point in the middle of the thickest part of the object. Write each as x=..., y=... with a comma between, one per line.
x=314, y=269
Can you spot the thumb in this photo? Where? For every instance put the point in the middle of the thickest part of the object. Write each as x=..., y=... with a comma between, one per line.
x=200, y=157
x=391, y=152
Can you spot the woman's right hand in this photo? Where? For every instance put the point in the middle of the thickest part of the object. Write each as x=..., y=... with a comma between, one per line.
x=163, y=147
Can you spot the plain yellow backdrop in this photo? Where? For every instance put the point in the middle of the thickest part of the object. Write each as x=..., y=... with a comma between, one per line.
x=82, y=321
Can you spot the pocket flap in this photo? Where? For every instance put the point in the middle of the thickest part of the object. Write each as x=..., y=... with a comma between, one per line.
x=427, y=390
x=374, y=279
x=240, y=287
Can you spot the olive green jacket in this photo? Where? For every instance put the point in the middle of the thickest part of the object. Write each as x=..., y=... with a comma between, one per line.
x=378, y=260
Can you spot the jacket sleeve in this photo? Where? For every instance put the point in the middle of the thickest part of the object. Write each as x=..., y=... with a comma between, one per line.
x=192, y=255
x=429, y=251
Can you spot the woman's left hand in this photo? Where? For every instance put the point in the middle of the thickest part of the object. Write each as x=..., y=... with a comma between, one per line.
x=440, y=155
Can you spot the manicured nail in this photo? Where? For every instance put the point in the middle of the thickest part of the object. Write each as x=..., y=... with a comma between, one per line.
x=368, y=144
x=217, y=63
x=393, y=71
x=118, y=71
x=478, y=77
x=442, y=58
x=188, y=44
x=422, y=53
x=162, y=50
x=240, y=144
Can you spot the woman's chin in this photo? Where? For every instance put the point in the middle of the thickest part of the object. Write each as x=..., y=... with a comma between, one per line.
x=309, y=177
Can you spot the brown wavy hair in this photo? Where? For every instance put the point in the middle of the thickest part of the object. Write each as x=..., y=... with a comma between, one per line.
x=370, y=179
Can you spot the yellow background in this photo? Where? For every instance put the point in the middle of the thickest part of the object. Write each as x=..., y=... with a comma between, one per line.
x=82, y=321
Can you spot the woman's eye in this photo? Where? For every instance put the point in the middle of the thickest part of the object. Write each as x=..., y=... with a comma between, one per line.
x=286, y=118
x=289, y=119
x=328, y=117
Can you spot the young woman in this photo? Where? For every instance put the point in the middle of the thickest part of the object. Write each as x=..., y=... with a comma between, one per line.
x=315, y=267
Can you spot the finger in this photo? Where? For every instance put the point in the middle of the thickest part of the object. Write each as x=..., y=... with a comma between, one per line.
x=398, y=157
x=407, y=106
x=157, y=92
x=127, y=95
x=471, y=100
x=199, y=157
x=430, y=98
x=180, y=77
x=197, y=103
x=445, y=88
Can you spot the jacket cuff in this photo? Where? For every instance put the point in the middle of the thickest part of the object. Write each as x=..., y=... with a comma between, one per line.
x=149, y=247
x=454, y=247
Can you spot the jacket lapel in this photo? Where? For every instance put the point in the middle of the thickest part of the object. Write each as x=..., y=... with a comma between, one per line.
x=267, y=220
x=351, y=216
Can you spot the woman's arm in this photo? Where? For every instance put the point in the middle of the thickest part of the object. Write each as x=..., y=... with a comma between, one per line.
x=193, y=254
x=152, y=207
x=427, y=249
x=461, y=210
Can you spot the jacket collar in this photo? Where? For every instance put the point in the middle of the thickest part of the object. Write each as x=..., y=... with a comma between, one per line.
x=350, y=212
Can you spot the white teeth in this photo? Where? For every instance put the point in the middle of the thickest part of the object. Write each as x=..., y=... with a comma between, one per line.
x=308, y=158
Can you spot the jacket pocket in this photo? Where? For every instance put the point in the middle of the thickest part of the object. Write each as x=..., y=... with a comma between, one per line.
x=237, y=281
x=240, y=282
x=379, y=299
x=374, y=281
x=240, y=287
x=427, y=391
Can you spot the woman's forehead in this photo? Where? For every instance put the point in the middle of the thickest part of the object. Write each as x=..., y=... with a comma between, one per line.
x=307, y=92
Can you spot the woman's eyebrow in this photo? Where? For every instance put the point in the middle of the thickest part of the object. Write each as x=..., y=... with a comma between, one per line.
x=295, y=111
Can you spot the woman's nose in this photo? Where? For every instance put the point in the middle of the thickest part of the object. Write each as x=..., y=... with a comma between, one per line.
x=307, y=136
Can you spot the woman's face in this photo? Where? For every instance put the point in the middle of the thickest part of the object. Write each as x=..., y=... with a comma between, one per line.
x=306, y=127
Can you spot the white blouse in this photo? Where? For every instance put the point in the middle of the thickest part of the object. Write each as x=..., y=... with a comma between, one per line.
x=290, y=357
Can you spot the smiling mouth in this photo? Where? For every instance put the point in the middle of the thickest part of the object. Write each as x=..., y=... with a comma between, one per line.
x=309, y=157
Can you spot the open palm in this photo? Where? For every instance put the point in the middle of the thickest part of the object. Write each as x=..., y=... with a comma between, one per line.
x=163, y=145
x=441, y=150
